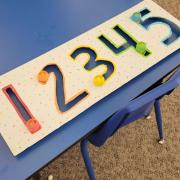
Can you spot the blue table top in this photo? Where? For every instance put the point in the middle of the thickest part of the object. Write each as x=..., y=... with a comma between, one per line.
x=31, y=28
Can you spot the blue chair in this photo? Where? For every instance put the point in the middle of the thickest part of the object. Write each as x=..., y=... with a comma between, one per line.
x=137, y=108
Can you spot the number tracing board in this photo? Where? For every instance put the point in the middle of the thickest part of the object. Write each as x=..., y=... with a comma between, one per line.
x=50, y=90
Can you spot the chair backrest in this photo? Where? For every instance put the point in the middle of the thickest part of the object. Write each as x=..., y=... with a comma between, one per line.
x=140, y=104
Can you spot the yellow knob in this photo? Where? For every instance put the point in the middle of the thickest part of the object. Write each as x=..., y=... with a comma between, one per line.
x=98, y=80
x=43, y=76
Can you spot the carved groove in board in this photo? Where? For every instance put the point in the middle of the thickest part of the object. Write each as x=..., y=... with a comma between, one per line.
x=94, y=61
x=21, y=108
x=61, y=103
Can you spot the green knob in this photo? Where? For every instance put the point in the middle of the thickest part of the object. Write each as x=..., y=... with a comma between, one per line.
x=141, y=47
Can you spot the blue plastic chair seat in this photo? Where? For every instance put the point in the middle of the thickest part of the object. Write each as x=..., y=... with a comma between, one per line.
x=136, y=109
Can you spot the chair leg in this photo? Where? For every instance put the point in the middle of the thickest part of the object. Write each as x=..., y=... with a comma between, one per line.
x=159, y=121
x=86, y=158
x=148, y=111
x=148, y=117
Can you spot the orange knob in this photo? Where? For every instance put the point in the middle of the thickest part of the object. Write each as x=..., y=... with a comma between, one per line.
x=43, y=76
x=33, y=125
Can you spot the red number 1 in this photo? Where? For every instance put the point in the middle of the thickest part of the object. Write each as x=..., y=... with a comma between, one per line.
x=22, y=110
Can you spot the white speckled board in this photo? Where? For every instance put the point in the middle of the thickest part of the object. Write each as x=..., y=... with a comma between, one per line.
x=40, y=99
